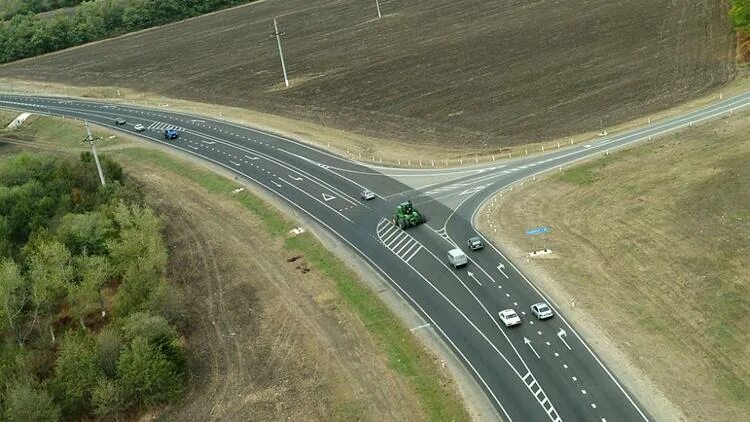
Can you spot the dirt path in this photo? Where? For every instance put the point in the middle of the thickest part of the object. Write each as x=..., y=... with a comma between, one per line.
x=268, y=342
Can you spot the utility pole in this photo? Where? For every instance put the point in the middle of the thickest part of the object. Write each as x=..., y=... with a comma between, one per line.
x=90, y=139
x=377, y=6
x=278, y=35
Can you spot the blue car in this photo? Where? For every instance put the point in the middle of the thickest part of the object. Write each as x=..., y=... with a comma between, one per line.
x=170, y=134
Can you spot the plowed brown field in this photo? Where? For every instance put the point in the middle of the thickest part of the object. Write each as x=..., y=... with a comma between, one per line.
x=465, y=72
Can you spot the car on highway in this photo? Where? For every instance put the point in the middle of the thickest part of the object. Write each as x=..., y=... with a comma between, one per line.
x=120, y=121
x=541, y=310
x=170, y=134
x=139, y=127
x=509, y=317
x=475, y=243
x=367, y=194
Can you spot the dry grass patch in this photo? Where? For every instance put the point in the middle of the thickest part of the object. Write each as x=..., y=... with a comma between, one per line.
x=652, y=243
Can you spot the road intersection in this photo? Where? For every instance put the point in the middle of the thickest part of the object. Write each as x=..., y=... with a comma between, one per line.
x=540, y=370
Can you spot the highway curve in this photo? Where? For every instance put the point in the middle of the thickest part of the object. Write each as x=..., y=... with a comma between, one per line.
x=540, y=370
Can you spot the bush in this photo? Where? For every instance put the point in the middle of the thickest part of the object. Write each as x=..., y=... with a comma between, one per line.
x=26, y=403
x=76, y=374
x=147, y=375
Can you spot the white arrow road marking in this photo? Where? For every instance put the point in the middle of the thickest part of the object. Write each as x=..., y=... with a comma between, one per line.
x=236, y=164
x=249, y=157
x=299, y=179
x=500, y=268
x=276, y=184
x=562, y=334
x=528, y=342
x=471, y=274
x=327, y=197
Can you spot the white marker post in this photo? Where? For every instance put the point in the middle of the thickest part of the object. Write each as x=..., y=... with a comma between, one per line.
x=278, y=35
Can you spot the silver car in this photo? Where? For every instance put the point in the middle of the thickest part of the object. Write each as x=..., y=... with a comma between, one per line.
x=367, y=194
x=541, y=310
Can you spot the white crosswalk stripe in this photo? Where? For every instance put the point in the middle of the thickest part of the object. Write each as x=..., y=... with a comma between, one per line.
x=397, y=241
x=162, y=125
x=540, y=396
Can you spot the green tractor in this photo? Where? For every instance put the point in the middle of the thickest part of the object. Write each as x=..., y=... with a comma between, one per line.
x=407, y=216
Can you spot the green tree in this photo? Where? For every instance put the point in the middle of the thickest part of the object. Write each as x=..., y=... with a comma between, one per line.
x=14, y=295
x=147, y=376
x=108, y=399
x=76, y=374
x=13, y=367
x=50, y=271
x=86, y=296
x=139, y=254
x=148, y=326
x=740, y=14
x=85, y=233
x=26, y=403
x=109, y=346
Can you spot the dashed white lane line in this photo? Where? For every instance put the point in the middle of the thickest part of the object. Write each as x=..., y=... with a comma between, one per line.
x=593, y=405
x=583, y=392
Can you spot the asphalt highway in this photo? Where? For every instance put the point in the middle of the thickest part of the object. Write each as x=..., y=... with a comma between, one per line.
x=538, y=371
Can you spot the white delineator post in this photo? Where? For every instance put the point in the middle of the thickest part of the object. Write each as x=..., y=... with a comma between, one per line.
x=281, y=53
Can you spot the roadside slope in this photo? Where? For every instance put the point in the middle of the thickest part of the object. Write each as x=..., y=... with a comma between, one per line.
x=651, y=245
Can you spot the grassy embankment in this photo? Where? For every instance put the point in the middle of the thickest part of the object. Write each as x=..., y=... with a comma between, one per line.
x=652, y=243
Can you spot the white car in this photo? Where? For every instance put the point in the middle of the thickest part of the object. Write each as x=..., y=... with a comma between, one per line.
x=541, y=310
x=367, y=194
x=509, y=317
x=139, y=127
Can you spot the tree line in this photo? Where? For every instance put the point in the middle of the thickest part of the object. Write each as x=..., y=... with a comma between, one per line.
x=27, y=34
x=740, y=15
x=87, y=317
x=10, y=8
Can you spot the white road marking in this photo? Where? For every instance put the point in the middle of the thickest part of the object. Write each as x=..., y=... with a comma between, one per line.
x=421, y=326
x=501, y=267
x=471, y=275
x=560, y=335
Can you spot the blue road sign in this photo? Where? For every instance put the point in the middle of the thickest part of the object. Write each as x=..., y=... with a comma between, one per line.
x=538, y=230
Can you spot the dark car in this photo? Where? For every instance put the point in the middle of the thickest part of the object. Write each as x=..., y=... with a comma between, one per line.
x=170, y=134
x=475, y=243
x=120, y=121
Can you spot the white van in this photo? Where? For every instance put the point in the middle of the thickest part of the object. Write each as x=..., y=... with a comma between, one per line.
x=457, y=258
